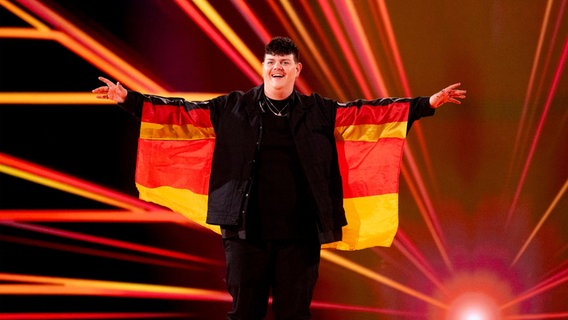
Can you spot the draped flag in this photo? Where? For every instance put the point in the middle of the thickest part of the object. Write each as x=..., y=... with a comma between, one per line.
x=176, y=146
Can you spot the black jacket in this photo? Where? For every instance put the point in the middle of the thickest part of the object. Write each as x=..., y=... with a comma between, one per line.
x=236, y=118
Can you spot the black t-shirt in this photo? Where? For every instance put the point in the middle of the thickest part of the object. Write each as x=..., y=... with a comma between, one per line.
x=281, y=205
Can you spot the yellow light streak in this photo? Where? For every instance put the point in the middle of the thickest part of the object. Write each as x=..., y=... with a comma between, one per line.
x=297, y=22
x=65, y=187
x=81, y=43
x=83, y=286
x=83, y=98
x=92, y=215
x=392, y=44
x=541, y=221
x=529, y=92
x=25, y=33
x=375, y=72
x=24, y=15
x=415, y=183
x=354, y=267
x=229, y=34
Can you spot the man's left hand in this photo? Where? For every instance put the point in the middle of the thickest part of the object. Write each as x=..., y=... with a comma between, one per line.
x=448, y=94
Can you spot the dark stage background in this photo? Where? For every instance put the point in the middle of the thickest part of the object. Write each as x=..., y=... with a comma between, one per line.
x=483, y=199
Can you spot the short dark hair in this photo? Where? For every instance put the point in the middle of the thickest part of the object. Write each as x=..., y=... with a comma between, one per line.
x=282, y=46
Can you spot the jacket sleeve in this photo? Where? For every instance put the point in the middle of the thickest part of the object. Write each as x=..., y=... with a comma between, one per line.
x=135, y=102
x=383, y=110
x=419, y=107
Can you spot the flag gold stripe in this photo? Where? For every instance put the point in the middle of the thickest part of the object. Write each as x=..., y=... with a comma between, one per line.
x=154, y=131
x=380, y=216
x=370, y=132
x=191, y=205
x=366, y=132
x=379, y=213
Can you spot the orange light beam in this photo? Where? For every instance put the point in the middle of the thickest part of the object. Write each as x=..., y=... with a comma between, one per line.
x=403, y=243
x=83, y=98
x=550, y=51
x=91, y=315
x=560, y=17
x=324, y=39
x=222, y=43
x=538, y=132
x=160, y=261
x=313, y=49
x=554, y=277
x=540, y=288
x=346, y=48
x=32, y=172
x=346, y=307
x=26, y=33
x=350, y=265
x=425, y=206
x=91, y=216
x=71, y=44
x=109, y=242
x=291, y=32
x=229, y=34
x=252, y=20
x=545, y=216
x=393, y=45
x=50, y=98
x=84, y=45
x=264, y=35
x=358, y=37
x=529, y=91
x=24, y=16
x=540, y=316
x=72, y=286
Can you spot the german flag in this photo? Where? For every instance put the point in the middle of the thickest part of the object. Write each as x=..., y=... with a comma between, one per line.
x=176, y=147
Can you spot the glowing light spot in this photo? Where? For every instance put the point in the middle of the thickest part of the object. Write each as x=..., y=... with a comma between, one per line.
x=474, y=306
x=475, y=296
x=474, y=315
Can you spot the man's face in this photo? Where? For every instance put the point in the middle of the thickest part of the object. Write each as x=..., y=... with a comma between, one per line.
x=280, y=72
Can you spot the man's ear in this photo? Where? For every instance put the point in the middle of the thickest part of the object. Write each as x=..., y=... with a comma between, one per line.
x=298, y=68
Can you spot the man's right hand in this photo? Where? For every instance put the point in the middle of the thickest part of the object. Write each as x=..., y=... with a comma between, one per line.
x=111, y=91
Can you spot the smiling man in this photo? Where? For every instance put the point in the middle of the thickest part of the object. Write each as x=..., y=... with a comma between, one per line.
x=275, y=187
x=280, y=71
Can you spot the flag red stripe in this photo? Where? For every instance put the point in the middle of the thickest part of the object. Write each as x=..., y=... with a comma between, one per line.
x=351, y=115
x=177, y=115
x=183, y=164
x=370, y=168
x=367, y=114
x=186, y=165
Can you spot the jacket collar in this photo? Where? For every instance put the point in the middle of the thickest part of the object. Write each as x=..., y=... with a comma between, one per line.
x=256, y=96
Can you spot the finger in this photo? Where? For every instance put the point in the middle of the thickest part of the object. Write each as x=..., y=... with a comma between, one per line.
x=106, y=81
x=102, y=96
x=100, y=89
x=453, y=86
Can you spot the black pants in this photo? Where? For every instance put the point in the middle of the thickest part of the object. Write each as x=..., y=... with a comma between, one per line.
x=289, y=268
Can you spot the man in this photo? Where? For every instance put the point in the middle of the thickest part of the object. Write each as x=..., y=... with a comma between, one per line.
x=275, y=187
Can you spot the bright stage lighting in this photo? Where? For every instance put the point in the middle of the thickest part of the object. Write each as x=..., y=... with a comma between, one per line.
x=474, y=306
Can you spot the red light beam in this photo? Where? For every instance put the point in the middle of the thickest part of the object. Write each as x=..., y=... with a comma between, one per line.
x=538, y=132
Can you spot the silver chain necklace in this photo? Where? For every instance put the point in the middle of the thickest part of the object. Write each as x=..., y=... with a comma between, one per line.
x=275, y=110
